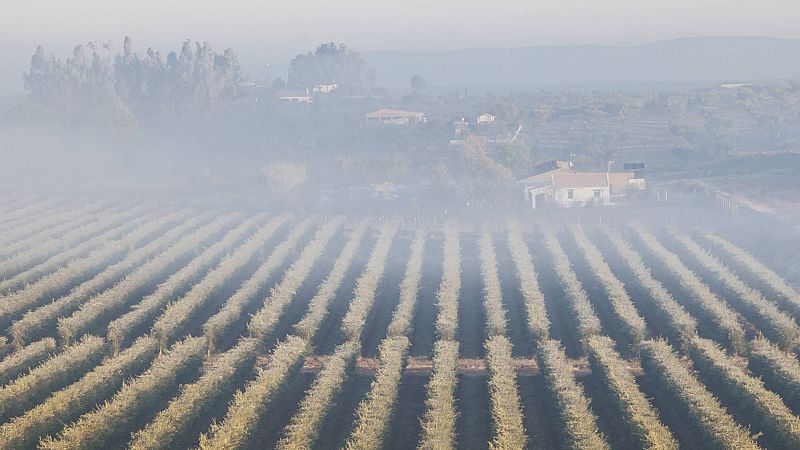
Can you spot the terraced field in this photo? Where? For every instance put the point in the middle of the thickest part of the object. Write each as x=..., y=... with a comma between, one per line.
x=129, y=325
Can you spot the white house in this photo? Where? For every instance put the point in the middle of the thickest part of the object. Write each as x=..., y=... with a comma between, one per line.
x=486, y=118
x=296, y=96
x=324, y=88
x=395, y=117
x=570, y=190
x=556, y=184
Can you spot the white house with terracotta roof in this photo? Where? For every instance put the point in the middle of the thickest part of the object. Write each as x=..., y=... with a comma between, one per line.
x=558, y=185
x=395, y=117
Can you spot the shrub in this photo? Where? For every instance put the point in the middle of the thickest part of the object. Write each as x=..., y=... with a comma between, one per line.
x=450, y=287
x=73, y=272
x=716, y=310
x=632, y=324
x=788, y=294
x=367, y=285
x=134, y=403
x=53, y=254
x=683, y=326
x=55, y=373
x=439, y=422
x=404, y=312
x=22, y=360
x=176, y=317
x=123, y=328
x=78, y=398
x=577, y=423
x=588, y=323
x=706, y=415
x=197, y=399
x=318, y=305
x=374, y=412
x=506, y=410
x=247, y=406
x=532, y=295
x=644, y=429
x=492, y=292
x=272, y=308
x=778, y=369
x=778, y=325
x=746, y=391
x=36, y=323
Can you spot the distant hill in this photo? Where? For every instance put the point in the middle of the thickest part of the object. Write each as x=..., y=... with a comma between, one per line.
x=679, y=61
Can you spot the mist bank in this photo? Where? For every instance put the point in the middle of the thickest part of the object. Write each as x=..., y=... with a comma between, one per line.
x=680, y=61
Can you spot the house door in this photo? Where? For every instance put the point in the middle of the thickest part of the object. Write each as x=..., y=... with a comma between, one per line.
x=539, y=201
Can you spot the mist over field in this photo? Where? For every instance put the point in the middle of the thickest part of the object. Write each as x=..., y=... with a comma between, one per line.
x=367, y=225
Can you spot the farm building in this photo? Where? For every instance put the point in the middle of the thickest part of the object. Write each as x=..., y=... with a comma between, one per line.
x=295, y=96
x=324, y=88
x=395, y=117
x=486, y=118
x=557, y=184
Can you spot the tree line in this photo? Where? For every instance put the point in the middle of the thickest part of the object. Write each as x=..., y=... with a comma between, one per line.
x=128, y=86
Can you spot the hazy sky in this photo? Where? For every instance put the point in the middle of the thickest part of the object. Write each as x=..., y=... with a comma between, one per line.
x=277, y=29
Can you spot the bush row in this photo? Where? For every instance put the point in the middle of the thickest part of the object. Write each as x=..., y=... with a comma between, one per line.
x=787, y=293
x=716, y=310
x=198, y=399
x=122, y=329
x=303, y=429
x=183, y=410
x=175, y=318
x=577, y=424
x=110, y=302
x=221, y=324
x=114, y=420
x=538, y=322
x=38, y=322
x=632, y=324
x=588, y=323
x=704, y=412
x=56, y=372
x=439, y=421
x=281, y=294
x=506, y=409
x=248, y=405
x=747, y=392
x=366, y=285
x=450, y=287
x=496, y=324
x=374, y=412
x=409, y=287
x=73, y=244
x=777, y=368
x=776, y=324
x=642, y=425
x=74, y=272
x=682, y=325
x=318, y=305
x=46, y=228
x=78, y=398
x=23, y=359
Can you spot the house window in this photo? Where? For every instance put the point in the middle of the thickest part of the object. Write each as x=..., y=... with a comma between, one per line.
x=597, y=193
x=570, y=193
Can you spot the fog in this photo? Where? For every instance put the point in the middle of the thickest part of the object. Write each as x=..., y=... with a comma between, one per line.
x=399, y=224
x=284, y=100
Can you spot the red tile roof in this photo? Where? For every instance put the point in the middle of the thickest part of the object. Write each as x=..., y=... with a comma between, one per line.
x=567, y=180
